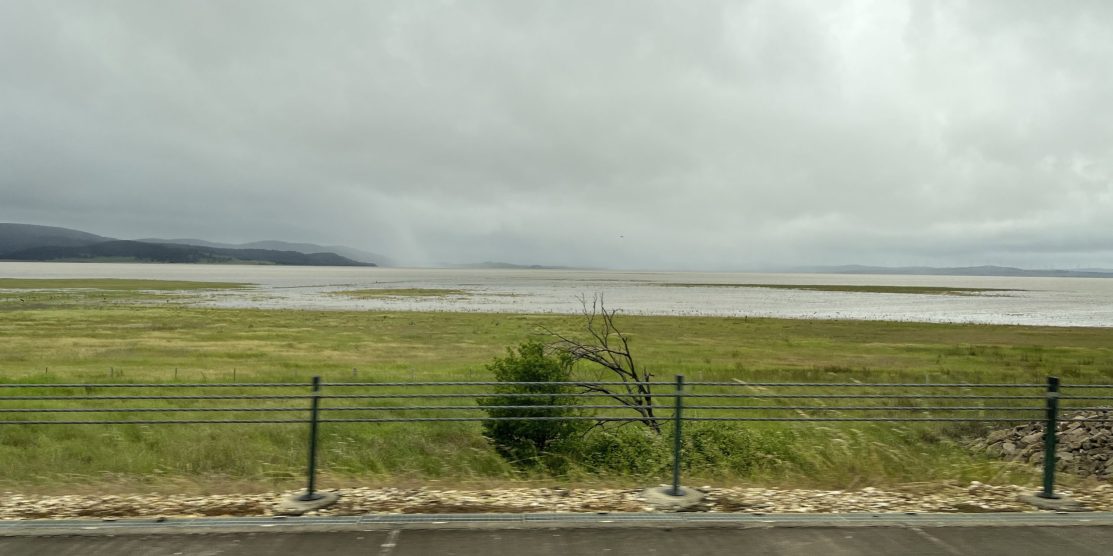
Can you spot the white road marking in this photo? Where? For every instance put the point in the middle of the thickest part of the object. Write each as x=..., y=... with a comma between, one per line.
x=391, y=542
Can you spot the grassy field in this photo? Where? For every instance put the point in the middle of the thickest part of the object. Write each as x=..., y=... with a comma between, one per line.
x=74, y=337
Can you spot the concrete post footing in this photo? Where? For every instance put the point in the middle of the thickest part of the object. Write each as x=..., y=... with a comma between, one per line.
x=294, y=505
x=1060, y=504
x=664, y=498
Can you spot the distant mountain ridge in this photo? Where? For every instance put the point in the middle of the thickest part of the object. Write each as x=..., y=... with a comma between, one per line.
x=16, y=237
x=29, y=242
x=138, y=251
x=986, y=270
x=307, y=248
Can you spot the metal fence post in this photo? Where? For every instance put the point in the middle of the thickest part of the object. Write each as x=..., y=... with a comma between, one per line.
x=315, y=401
x=676, y=440
x=1049, y=438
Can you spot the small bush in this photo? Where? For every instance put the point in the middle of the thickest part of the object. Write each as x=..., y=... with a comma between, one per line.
x=626, y=450
x=531, y=443
x=707, y=448
x=736, y=449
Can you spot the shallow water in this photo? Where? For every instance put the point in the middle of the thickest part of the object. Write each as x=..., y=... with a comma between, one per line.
x=1031, y=301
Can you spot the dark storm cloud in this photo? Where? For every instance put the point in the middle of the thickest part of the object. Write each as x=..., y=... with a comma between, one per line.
x=648, y=134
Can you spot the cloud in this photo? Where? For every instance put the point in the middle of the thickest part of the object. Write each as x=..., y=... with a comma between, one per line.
x=706, y=134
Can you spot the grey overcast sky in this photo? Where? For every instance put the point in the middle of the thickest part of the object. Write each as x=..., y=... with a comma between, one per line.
x=627, y=134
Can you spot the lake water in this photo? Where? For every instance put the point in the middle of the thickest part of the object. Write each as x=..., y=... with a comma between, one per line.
x=1033, y=301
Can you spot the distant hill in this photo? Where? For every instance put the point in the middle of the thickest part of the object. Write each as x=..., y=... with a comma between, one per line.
x=958, y=271
x=16, y=237
x=307, y=248
x=29, y=242
x=138, y=251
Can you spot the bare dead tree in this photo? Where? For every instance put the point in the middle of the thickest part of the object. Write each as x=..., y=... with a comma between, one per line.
x=608, y=352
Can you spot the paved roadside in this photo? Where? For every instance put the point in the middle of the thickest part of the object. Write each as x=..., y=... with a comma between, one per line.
x=827, y=541
x=988, y=535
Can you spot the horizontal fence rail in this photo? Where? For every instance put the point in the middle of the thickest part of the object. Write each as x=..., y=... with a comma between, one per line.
x=704, y=400
x=659, y=403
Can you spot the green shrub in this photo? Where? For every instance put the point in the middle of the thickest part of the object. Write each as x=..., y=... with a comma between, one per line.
x=735, y=449
x=531, y=443
x=625, y=450
x=706, y=448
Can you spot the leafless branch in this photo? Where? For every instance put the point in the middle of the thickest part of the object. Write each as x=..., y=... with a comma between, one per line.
x=608, y=351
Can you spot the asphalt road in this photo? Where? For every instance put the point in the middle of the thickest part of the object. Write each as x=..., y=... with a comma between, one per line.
x=611, y=541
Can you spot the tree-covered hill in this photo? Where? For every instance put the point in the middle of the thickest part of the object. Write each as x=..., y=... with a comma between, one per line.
x=29, y=242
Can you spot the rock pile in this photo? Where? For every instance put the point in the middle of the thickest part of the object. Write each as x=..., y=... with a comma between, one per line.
x=922, y=497
x=1084, y=444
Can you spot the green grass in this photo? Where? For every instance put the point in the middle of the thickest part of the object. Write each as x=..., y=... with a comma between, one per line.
x=83, y=341
x=69, y=337
x=918, y=290
x=400, y=292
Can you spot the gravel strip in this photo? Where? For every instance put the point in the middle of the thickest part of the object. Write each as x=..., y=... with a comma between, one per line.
x=946, y=498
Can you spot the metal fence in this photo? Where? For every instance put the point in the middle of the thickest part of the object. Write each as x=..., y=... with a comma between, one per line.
x=674, y=403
